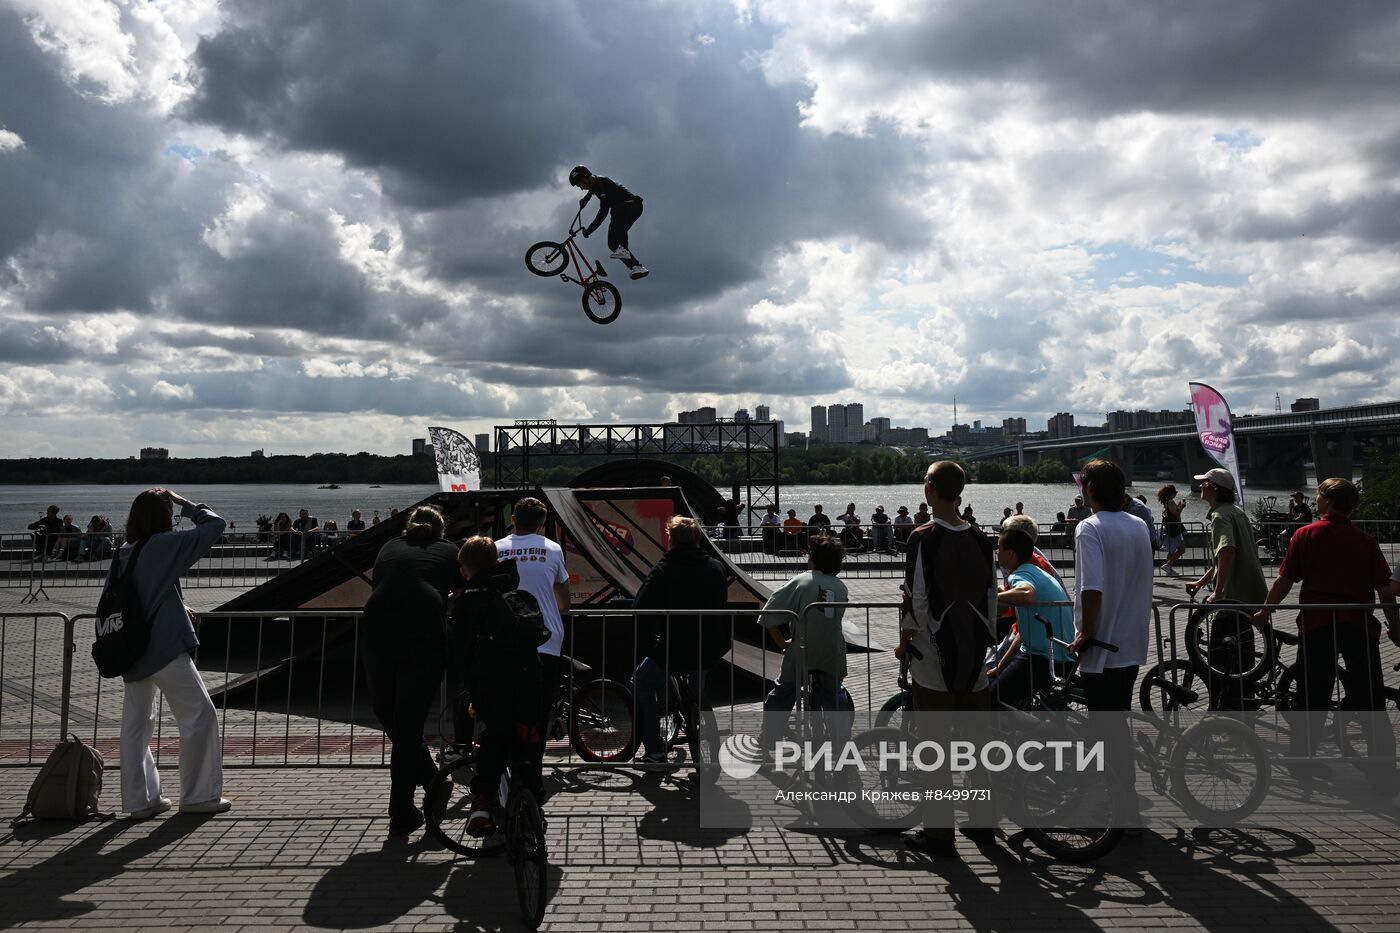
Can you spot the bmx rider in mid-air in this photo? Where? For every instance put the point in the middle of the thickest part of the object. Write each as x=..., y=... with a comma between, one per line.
x=614, y=199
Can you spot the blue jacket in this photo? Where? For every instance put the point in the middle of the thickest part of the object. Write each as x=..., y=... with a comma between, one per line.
x=164, y=558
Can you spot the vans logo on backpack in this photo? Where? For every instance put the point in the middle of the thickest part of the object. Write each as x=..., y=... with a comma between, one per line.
x=107, y=626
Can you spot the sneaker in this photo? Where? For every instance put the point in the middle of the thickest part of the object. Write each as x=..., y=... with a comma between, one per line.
x=155, y=809
x=221, y=805
x=653, y=762
x=479, y=822
x=406, y=825
x=639, y=271
x=1170, y=571
x=621, y=252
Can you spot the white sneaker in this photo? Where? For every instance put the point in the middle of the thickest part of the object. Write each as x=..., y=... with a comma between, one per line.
x=1170, y=571
x=621, y=253
x=639, y=271
x=155, y=809
x=221, y=805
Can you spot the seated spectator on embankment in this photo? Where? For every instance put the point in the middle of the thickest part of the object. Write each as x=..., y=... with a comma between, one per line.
x=43, y=528
x=356, y=523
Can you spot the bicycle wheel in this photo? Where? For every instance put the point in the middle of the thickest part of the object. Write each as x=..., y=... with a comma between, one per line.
x=1152, y=697
x=702, y=742
x=1044, y=798
x=1239, y=655
x=886, y=800
x=1220, y=771
x=898, y=703
x=601, y=726
x=448, y=825
x=529, y=854
x=547, y=258
x=601, y=302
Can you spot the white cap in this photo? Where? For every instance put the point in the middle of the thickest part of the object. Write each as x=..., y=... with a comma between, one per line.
x=1219, y=477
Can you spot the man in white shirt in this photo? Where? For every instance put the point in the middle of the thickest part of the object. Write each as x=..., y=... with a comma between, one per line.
x=1112, y=601
x=543, y=575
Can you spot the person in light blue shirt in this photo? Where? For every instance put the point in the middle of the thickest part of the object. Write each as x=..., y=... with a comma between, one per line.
x=1027, y=666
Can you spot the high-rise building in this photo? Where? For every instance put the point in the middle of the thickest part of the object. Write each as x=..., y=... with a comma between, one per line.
x=855, y=423
x=154, y=453
x=1013, y=426
x=870, y=433
x=741, y=416
x=882, y=425
x=483, y=443
x=762, y=413
x=1061, y=425
x=1305, y=404
x=836, y=424
x=706, y=415
x=420, y=446
x=818, y=429
x=259, y=452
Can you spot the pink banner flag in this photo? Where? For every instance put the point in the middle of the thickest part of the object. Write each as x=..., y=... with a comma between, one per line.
x=1215, y=427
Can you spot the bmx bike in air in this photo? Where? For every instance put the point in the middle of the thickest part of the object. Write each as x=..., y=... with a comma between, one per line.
x=601, y=300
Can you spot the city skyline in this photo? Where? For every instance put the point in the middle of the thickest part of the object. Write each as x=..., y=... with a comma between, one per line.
x=216, y=239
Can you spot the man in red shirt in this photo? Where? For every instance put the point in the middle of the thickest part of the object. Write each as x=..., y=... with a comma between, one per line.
x=1338, y=563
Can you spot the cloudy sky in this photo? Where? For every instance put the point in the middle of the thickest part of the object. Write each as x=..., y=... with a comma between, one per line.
x=301, y=225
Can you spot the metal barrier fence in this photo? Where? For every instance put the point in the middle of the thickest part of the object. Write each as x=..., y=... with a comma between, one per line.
x=289, y=691
x=1231, y=663
x=236, y=559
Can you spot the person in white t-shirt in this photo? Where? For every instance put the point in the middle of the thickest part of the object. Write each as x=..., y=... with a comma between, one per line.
x=543, y=575
x=1112, y=601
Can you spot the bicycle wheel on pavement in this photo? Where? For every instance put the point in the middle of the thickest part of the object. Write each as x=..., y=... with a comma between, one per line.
x=886, y=798
x=898, y=703
x=1044, y=798
x=601, y=302
x=1152, y=697
x=601, y=726
x=1220, y=771
x=529, y=854
x=547, y=258
x=447, y=821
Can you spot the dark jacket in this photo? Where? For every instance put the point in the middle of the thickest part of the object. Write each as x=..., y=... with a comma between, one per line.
x=684, y=578
x=411, y=581
x=609, y=194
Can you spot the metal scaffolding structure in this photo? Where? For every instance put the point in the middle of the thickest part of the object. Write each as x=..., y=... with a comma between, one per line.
x=524, y=443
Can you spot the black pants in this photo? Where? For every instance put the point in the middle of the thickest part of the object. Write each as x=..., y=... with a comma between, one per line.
x=623, y=216
x=1363, y=681
x=1112, y=690
x=509, y=708
x=553, y=671
x=403, y=679
x=1231, y=649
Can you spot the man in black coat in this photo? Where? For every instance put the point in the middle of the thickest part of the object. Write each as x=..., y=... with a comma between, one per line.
x=686, y=577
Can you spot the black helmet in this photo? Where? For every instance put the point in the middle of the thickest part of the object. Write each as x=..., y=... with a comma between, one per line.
x=577, y=172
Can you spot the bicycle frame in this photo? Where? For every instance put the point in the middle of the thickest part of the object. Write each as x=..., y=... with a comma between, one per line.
x=575, y=251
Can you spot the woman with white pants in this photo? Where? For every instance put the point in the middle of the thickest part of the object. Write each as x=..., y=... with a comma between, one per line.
x=168, y=664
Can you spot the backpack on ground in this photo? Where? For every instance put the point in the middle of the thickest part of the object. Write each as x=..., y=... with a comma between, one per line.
x=123, y=627
x=519, y=626
x=68, y=786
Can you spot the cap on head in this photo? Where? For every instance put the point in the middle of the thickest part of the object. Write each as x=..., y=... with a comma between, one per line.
x=578, y=173
x=1218, y=476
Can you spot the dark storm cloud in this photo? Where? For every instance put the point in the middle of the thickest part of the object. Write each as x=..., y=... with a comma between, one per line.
x=460, y=103
x=1251, y=58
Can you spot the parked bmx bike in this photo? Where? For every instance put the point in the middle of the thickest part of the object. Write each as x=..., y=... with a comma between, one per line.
x=601, y=300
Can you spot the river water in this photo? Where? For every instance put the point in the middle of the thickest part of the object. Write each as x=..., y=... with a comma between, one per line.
x=242, y=504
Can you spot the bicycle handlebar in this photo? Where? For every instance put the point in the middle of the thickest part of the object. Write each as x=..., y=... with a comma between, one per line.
x=1091, y=642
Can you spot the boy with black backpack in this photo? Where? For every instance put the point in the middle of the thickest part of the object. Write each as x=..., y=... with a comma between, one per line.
x=496, y=631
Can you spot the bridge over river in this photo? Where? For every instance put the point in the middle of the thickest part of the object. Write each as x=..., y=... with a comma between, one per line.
x=1275, y=450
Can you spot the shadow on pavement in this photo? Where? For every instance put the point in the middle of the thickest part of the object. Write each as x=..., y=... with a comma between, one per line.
x=35, y=893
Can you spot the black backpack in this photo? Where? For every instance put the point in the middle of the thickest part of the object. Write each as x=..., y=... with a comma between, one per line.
x=518, y=626
x=123, y=627
x=959, y=581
